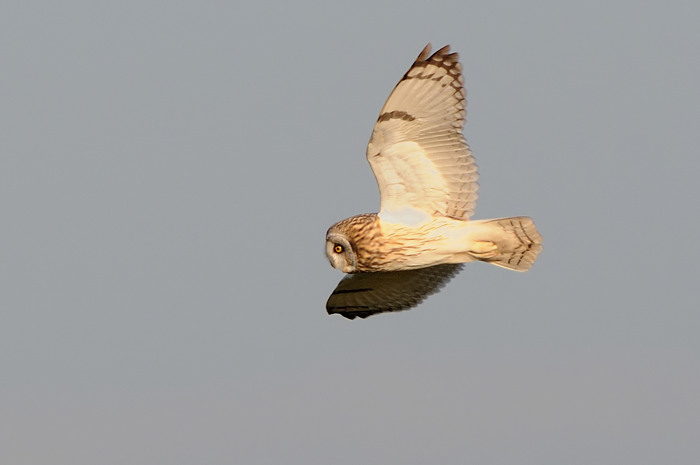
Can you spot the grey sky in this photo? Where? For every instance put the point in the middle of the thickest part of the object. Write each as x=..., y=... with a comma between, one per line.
x=167, y=174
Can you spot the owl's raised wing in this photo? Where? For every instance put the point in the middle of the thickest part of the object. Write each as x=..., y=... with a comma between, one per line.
x=417, y=151
x=366, y=294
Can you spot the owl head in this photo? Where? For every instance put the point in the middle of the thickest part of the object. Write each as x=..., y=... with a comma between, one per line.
x=340, y=252
x=350, y=241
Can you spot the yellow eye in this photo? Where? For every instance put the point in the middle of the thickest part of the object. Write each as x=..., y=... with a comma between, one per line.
x=338, y=248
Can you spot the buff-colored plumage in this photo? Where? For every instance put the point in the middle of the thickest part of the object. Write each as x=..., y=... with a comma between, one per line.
x=427, y=180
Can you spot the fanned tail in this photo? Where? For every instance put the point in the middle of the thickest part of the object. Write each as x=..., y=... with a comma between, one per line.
x=512, y=243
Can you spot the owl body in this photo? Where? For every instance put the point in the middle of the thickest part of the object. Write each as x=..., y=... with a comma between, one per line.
x=427, y=180
x=368, y=244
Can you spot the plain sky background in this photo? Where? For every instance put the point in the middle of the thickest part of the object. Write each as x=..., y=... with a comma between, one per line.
x=168, y=171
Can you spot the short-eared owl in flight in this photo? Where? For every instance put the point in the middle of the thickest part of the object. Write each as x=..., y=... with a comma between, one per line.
x=427, y=181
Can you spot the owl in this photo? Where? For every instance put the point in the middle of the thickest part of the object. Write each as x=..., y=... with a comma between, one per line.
x=427, y=180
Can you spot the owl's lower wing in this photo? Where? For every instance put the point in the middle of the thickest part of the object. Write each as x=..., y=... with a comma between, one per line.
x=366, y=294
x=417, y=151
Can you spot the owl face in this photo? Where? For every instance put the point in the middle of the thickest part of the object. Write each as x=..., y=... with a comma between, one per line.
x=340, y=253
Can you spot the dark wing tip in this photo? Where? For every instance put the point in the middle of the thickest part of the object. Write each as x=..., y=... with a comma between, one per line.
x=351, y=314
x=442, y=54
x=442, y=58
x=425, y=53
x=352, y=311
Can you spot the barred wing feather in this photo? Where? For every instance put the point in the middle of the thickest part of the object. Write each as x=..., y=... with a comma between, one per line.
x=417, y=151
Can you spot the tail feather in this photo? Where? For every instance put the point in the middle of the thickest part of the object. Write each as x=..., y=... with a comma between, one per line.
x=514, y=242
